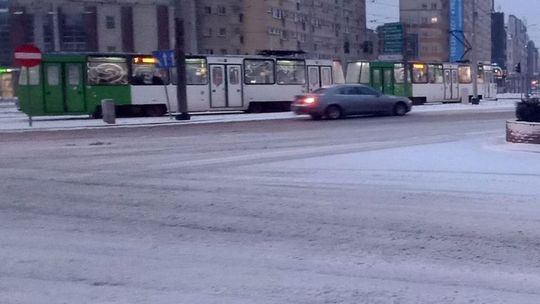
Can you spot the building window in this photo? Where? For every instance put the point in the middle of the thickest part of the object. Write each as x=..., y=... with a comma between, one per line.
x=111, y=49
x=222, y=10
x=73, y=33
x=241, y=39
x=222, y=32
x=241, y=18
x=209, y=51
x=207, y=32
x=223, y=51
x=277, y=13
x=433, y=5
x=110, y=22
x=208, y=10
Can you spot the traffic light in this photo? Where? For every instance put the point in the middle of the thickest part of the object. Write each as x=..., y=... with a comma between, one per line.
x=517, y=68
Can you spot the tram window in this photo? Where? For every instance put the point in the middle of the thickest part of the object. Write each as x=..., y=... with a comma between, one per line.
x=234, y=75
x=481, y=72
x=53, y=75
x=357, y=72
x=33, y=72
x=419, y=73
x=148, y=74
x=196, y=72
x=399, y=73
x=291, y=72
x=364, y=74
x=259, y=71
x=314, y=80
x=464, y=74
x=74, y=75
x=107, y=71
x=326, y=76
x=376, y=77
x=435, y=73
x=338, y=76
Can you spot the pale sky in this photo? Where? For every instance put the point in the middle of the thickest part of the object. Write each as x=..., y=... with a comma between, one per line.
x=383, y=11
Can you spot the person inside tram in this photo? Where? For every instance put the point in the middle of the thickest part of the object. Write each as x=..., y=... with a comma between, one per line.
x=157, y=79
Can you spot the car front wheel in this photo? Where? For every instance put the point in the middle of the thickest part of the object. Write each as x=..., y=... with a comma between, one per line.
x=400, y=109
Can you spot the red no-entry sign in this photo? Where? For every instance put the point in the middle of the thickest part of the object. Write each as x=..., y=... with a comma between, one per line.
x=27, y=55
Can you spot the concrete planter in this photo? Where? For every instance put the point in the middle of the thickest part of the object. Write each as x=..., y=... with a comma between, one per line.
x=523, y=132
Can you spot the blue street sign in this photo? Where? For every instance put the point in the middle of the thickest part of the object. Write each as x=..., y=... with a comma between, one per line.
x=165, y=59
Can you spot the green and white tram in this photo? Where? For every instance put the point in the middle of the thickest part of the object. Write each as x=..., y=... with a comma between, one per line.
x=426, y=82
x=71, y=84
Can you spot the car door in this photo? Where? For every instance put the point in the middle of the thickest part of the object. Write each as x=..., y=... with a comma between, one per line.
x=347, y=99
x=369, y=100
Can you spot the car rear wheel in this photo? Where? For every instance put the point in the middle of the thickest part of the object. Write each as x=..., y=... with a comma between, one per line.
x=400, y=109
x=333, y=112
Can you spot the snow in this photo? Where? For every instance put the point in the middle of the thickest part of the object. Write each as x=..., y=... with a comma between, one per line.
x=452, y=226
x=13, y=120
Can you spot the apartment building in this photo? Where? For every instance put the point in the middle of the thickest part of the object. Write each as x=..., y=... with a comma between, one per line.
x=321, y=28
x=445, y=27
x=89, y=25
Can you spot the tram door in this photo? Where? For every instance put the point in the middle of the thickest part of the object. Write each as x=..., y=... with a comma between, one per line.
x=225, y=86
x=451, y=85
x=382, y=79
x=319, y=76
x=63, y=87
x=388, y=82
x=234, y=86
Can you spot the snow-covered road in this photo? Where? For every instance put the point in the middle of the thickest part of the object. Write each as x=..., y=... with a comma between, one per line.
x=13, y=120
x=426, y=208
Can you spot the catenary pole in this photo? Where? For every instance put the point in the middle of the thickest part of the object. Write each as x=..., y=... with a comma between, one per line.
x=474, y=58
x=181, y=93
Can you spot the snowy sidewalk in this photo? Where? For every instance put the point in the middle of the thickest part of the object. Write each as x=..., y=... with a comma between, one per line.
x=13, y=120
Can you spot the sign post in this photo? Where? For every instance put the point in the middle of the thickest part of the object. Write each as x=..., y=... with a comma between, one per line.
x=165, y=60
x=27, y=56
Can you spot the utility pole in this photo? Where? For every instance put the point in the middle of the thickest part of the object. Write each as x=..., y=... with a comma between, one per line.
x=474, y=58
x=181, y=93
x=406, y=70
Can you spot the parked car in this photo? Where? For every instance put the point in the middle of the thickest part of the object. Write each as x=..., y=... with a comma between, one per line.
x=337, y=101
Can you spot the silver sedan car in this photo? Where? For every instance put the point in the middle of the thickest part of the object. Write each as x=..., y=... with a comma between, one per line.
x=337, y=101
